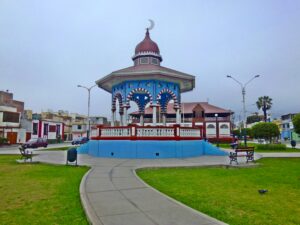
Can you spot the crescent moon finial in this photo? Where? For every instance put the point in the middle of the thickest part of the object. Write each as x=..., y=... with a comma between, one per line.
x=151, y=24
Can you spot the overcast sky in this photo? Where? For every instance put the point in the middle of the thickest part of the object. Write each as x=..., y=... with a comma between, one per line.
x=48, y=47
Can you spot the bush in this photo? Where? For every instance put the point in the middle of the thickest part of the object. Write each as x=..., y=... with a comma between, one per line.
x=220, y=140
x=3, y=140
x=265, y=130
x=54, y=141
x=270, y=147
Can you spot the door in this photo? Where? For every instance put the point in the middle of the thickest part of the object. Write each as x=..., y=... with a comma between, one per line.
x=28, y=136
x=12, y=137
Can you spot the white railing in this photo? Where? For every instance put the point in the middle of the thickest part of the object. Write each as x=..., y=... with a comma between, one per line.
x=94, y=132
x=155, y=132
x=115, y=132
x=185, y=132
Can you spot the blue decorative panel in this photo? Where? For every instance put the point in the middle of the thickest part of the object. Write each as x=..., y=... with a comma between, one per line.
x=145, y=91
x=149, y=149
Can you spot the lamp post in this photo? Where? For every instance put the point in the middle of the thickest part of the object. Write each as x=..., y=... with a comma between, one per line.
x=89, y=97
x=217, y=129
x=243, y=86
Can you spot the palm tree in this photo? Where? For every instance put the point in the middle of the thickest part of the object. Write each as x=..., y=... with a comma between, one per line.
x=264, y=103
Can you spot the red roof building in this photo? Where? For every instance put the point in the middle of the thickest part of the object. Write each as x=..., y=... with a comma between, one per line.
x=194, y=114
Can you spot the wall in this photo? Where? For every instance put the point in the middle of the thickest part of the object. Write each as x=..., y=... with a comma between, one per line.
x=149, y=149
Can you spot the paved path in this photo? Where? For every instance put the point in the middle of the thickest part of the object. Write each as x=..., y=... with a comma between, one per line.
x=112, y=194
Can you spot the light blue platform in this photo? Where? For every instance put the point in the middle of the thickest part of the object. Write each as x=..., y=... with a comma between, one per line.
x=148, y=149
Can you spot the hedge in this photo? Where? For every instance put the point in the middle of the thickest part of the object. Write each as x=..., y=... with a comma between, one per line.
x=270, y=147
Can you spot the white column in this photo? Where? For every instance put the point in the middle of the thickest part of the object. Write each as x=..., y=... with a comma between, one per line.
x=178, y=116
x=113, y=117
x=125, y=117
x=154, y=116
x=121, y=119
x=142, y=119
x=164, y=119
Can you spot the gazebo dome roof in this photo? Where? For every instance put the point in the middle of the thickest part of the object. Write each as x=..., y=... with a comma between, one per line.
x=147, y=45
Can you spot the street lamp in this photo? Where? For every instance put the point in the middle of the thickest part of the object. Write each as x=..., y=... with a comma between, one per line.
x=243, y=86
x=89, y=97
x=217, y=129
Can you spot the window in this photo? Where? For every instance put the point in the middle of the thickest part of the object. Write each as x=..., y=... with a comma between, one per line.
x=11, y=117
x=46, y=129
x=144, y=60
x=35, y=128
x=154, y=61
x=211, y=126
x=57, y=130
x=224, y=126
x=52, y=128
x=78, y=127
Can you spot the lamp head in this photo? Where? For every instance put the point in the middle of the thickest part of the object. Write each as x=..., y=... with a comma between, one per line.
x=216, y=115
x=78, y=85
x=228, y=76
x=257, y=76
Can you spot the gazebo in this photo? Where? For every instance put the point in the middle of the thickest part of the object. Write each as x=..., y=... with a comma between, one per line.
x=146, y=82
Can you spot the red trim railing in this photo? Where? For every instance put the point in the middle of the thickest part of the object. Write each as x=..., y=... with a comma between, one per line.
x=134, y=132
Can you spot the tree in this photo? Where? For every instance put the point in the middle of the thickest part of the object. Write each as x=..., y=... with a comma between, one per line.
x=265, y=130
x=240, y=134
x=264, y=103
x=254, y=119
x=296, y=123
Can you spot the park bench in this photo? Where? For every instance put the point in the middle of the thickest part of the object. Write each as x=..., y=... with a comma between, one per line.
x=241, y=151
x=25, y=154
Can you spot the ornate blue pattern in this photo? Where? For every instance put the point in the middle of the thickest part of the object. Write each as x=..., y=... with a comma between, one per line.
x=155, y=92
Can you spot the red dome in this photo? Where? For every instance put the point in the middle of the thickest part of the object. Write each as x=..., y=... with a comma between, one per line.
x=147, y=45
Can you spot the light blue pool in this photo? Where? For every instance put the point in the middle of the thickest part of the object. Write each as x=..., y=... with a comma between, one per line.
x=148, y=149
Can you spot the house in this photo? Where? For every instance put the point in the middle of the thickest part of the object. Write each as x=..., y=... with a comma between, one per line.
x=201, y=114
x=287, y=127
x=80, y=124
x=10, y=117
x=47, y=128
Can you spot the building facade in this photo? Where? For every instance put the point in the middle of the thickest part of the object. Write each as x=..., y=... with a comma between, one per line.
x=10, y=118
x=287, y=128
x=215, y=121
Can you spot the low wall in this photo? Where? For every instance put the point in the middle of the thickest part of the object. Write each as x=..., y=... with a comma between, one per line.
x=148, y=149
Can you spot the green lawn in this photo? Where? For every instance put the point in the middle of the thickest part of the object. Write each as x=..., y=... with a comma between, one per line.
x=231, y=194
x=56, y=148
x=227, y=146
x=39, y=193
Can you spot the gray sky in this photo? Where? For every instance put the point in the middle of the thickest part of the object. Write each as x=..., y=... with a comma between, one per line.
x=48, y=47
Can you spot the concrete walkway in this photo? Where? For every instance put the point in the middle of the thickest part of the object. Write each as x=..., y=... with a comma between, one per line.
x=112, y=194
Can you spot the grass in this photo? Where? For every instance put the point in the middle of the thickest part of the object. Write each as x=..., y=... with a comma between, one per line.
x=39, y=193
x=56, y=149
x=227, y=146
x=231, y=194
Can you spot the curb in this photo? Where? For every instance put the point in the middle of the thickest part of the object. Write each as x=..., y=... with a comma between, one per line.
x=89, y=211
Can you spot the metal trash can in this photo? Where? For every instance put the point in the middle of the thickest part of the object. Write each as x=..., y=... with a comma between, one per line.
x=293, y=143
x=72, y=156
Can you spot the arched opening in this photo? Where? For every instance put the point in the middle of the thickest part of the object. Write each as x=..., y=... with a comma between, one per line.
x=117, y=110
x=165, y=97
x=141, y=97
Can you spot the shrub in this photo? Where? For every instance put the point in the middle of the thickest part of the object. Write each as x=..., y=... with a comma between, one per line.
x=296, y=123
x=270, y=147
x=265, y=130
x=3, y=140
